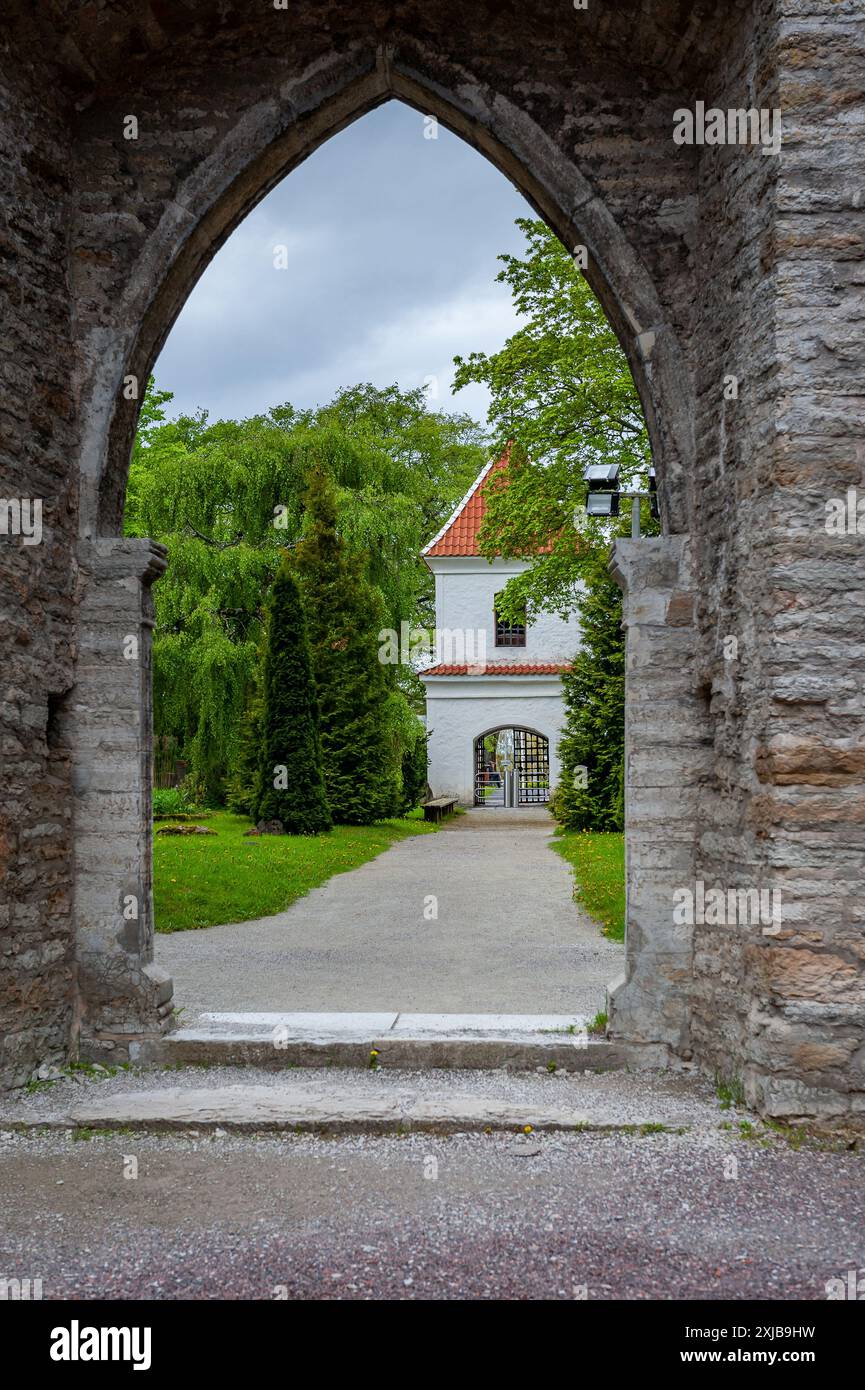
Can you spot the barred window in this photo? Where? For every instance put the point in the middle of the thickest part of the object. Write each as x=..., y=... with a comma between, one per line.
x=508, y=634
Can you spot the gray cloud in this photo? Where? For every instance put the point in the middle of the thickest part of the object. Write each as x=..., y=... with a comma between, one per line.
x=391, y=243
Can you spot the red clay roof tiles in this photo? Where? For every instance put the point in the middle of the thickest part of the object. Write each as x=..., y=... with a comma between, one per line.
x=459, y=535
x=498, y=668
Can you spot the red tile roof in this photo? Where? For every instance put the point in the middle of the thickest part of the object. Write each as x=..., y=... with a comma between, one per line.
x=498, y=668
x=459, y=535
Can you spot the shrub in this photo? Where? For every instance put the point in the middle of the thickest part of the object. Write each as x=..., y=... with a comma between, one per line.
x=414, y=772
x=171, y=801
x=594, y=696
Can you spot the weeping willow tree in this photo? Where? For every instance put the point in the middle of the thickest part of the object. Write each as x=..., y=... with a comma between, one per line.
x=226, y=498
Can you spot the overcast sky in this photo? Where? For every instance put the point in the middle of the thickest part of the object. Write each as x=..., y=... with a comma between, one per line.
x=391, y=243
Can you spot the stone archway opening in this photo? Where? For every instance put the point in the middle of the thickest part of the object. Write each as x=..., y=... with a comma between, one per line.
x=125, y=998
x=730, y=274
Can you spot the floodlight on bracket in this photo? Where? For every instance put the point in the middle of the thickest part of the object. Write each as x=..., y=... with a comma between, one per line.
x=603, y=494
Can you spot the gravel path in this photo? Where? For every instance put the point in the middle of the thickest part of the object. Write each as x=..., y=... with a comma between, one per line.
x=507, y=936
x=471, y=1217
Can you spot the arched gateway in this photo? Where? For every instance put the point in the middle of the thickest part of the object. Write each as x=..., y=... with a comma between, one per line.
x=730, y=275
x=512, y=768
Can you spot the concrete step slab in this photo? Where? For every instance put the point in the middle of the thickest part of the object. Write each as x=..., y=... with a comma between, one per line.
x=407, y=1041
x=333, y=1111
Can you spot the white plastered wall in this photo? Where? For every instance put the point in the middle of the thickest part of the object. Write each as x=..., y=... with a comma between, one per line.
x=459, y=709
x=466, y=587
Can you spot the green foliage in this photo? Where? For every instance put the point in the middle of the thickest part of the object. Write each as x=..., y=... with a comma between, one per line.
x=225, y=497
x=290, y=782
x=356, y=692
x=242, y=788
x=414, y=771
x=172, y=801
x=562, y=391
x=592, y=746
x=730, y=1091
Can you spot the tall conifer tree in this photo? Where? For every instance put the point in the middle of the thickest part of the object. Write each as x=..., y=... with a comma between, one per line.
x=290, y=783
x=592, y=746
x=345, y=615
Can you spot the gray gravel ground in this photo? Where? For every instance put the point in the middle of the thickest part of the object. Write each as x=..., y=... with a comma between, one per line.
x=508, y=937
x=471, y=1217
x=705, y=1214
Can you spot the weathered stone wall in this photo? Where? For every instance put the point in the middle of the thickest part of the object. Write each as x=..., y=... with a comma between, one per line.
x=780, y=252
x=37, y=582
x=668, y=768
x=122, y=993
x=711, y=262
x=806, y=1025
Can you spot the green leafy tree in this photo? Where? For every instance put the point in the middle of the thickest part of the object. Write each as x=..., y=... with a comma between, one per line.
x=590, y=793
x=562, y=391
x=360, y=757
x=290, y=784
x=242, y=787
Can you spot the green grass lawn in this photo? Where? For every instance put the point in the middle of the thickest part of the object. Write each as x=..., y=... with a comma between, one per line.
x=202, y=880
x=598, y=862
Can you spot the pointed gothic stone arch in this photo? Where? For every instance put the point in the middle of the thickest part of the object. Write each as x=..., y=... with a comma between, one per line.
x=260, y=151
x=125, y=997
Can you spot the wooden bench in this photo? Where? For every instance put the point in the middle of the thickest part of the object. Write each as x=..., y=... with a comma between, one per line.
x=437, y=808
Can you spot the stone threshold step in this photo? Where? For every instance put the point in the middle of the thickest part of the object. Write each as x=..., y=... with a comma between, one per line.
x=395, y=1023
x=407, y=1041
x=253, y=1109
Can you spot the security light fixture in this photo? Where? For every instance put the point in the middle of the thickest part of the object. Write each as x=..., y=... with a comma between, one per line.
x=602, y=494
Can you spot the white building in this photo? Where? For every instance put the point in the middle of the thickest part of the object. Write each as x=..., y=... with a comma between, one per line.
x=493, y=696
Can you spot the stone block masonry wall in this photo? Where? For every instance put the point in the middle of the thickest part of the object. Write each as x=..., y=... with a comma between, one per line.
x=805, y=1050
x=668, y=766
x=123, y=994
x=780, y=251
x=37, y=582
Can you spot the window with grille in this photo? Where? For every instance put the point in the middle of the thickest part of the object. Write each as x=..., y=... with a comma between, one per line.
x=508, y=634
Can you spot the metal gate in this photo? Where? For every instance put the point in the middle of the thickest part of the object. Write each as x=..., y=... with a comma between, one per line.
x=533, y=767
x=512, y=768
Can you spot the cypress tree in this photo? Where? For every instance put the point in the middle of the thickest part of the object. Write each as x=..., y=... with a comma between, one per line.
x=290, y=783
x=594, y=697
x=345, y=615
